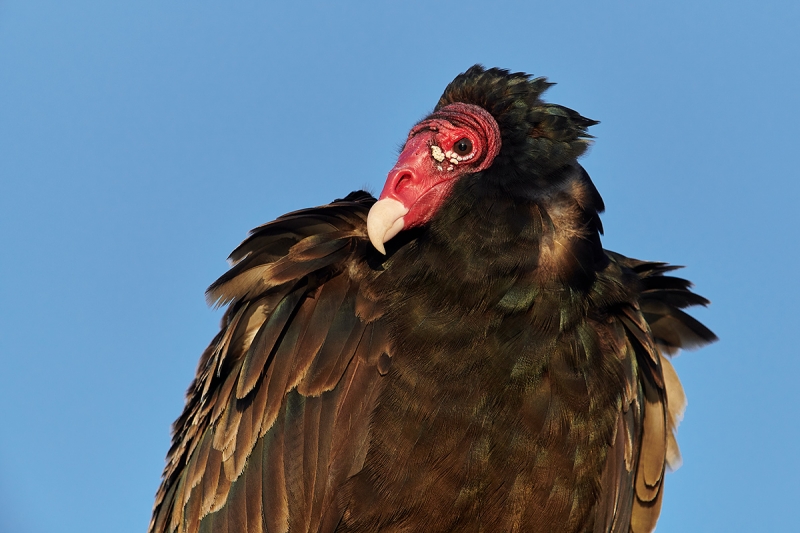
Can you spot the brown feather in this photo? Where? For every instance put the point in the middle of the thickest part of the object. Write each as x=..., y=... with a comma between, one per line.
x=275, y=500
x=222, y=412
x=192, y=513
x=256, y=359
x=180, y=496
x=245, y=437
x=338, y=348
x=644, y=515
x=329, y=299
x=253, y=489
x=197, y=465
x=261, y=423
x=652, y=455
x=211, y=477
x=676, y=405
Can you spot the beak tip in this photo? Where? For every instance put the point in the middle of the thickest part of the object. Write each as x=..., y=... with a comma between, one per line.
x=384, y=221
x=379, y=246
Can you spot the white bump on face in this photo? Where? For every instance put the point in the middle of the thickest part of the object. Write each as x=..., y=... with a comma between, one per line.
x=439, y=167
x=451, y=167
x=454, y=161
x=437, y=153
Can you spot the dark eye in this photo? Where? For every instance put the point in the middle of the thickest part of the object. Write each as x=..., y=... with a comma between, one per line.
x=463, y=146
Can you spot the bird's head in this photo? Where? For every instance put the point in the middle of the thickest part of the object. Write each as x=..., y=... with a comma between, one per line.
x=486, y=122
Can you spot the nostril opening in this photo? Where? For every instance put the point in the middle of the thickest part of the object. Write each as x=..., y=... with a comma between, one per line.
x=403, y=181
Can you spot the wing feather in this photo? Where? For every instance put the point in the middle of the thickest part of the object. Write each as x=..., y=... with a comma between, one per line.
x=275, y=499
x=330, y=299
x=265, y=342
x=336, y=352
x=210, y=481
x=279, y=412
x=644, y=444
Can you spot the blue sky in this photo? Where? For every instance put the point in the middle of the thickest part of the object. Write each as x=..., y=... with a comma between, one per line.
x=140, y=141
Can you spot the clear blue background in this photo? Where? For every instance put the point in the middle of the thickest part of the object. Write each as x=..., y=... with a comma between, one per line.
x=140, y=141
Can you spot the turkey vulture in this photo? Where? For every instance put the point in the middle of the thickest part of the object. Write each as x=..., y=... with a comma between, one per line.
x=460, y=355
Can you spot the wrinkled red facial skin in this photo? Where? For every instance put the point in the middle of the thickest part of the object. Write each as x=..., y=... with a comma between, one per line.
x=418, y=180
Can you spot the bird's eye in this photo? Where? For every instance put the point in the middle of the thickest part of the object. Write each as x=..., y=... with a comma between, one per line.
x=463, y=146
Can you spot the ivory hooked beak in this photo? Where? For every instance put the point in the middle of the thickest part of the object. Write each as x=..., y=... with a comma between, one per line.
x=384, y=221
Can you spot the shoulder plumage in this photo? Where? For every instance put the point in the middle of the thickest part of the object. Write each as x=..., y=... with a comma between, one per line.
x=298, y=350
